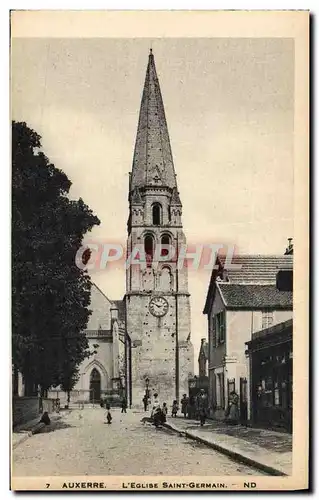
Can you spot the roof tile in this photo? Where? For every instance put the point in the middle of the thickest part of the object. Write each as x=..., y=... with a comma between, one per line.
x=254, y=296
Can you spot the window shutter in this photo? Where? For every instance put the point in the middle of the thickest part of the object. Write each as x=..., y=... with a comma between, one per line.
x=217, y=329
x=214, y=332
x=223, y=326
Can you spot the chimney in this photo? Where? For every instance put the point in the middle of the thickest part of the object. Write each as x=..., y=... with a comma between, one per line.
x=289, y=249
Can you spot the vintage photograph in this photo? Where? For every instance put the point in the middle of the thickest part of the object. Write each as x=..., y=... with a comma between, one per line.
x=154, y=241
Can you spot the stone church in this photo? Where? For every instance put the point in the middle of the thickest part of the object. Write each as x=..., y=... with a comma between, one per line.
x=102, y=374
x=143, y=342
x=157, y=301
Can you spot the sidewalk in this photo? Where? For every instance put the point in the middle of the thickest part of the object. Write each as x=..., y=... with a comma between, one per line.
x=23, y=432
x=266, y=450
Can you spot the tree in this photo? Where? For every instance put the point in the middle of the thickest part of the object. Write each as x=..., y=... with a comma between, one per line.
x=50, y=294
x=69, y=378
x=70, y=372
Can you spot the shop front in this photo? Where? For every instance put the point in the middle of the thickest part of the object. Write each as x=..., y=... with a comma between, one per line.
x=271, y=366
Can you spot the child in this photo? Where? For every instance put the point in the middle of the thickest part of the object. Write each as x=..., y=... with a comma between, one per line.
x=164, y=412
x=108, y=414
x=174, y=408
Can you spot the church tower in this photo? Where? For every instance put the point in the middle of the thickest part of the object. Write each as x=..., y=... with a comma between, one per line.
x=157, y=298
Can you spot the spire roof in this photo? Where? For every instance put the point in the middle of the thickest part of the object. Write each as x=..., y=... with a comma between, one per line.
x=152, y=161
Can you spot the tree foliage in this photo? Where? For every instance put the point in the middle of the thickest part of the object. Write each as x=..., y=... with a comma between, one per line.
x=50, y=294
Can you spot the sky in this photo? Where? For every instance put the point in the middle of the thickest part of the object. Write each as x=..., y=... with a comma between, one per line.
x=229, y=108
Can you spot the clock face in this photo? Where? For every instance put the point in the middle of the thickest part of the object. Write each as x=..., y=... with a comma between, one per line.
x=158, y=306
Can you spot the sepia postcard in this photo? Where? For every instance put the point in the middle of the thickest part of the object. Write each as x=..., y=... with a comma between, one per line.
x=160, y=241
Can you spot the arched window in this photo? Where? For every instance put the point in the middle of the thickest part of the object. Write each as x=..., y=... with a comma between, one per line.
x=149, y=248
x=165, y=240
x=156, y=214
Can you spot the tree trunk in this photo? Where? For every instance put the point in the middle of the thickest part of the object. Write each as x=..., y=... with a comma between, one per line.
x=29, y=386
x=68, y=398
x=15, y=383
x=44, y=393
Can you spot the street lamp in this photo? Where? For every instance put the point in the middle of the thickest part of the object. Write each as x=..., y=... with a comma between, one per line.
x=147, y=381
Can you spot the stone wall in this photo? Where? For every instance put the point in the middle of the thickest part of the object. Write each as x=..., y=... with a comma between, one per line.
x=24, y=409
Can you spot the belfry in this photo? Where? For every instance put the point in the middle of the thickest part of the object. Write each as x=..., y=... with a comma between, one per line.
x=157, y=301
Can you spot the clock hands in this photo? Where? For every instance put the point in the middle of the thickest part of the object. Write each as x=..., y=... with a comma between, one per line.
x=158, y=307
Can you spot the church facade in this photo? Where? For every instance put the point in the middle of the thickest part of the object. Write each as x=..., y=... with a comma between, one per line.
x=100, y=375
x=157, y=301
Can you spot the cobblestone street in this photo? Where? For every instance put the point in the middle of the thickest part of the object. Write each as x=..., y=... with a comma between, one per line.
x=82, y=444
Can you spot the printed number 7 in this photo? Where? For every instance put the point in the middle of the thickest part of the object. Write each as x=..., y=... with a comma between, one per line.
x=48, y=485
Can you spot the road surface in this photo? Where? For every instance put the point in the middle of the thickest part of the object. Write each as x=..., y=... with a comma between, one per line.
x=82, y=444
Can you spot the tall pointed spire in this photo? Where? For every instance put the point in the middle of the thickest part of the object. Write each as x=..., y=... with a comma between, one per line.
x=153, y=161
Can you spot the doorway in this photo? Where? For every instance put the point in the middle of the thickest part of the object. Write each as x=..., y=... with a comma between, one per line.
x=95, y=386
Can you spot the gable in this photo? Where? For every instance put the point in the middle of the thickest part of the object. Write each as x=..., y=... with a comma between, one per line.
x=100, y=306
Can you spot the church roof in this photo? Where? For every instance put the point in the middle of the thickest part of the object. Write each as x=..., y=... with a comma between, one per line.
x=153, y=160
x=94, y=286
x=175, y=198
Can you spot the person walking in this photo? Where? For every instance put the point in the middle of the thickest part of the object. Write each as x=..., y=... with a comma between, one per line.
x=184, y=404
x=232, y=413
x=164, y=412
x=174, y=408
x=191, y=409
x=202, y=407
x=145, y=402
x=156, y=414
x=108, y=413
x=123, y=405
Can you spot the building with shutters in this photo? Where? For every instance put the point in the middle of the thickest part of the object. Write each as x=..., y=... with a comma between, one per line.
x=239, y=303
x=203, y=359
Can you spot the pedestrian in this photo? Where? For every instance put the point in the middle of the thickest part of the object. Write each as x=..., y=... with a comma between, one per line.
x=156, y=414
x=191, y=408
x=232, y=412
x=45, y=419
x=164, y=412
x=123, y=405
x=174, y=408
x=108, y=413
x=184, y=404
x=145, y=402
x=202, y=406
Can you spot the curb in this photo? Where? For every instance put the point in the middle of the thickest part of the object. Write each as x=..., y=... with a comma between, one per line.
x=232, y=454
x=27, y=434
x=23, y=438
